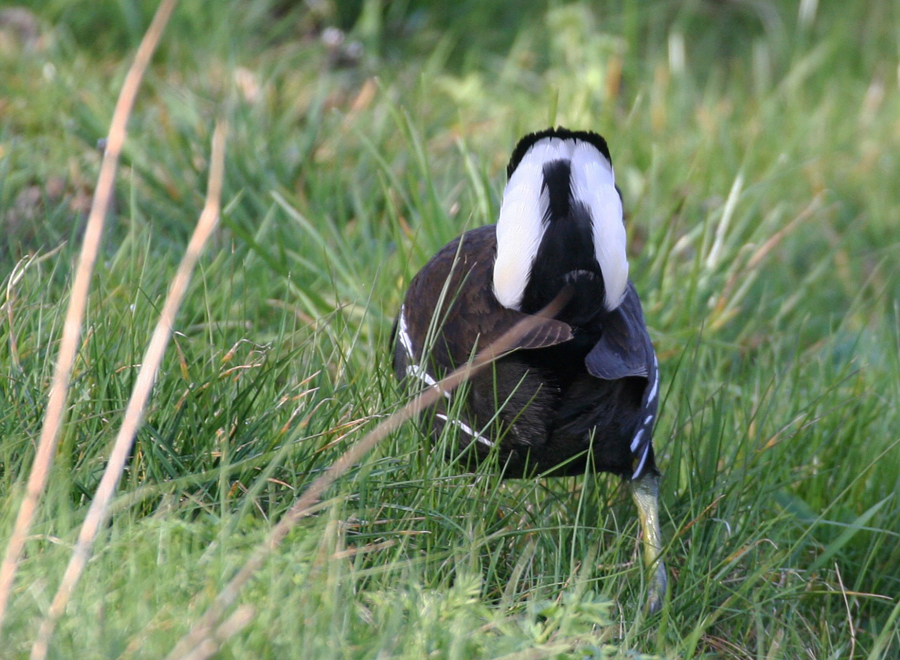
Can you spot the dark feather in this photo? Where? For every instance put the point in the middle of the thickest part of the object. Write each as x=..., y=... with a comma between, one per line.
x=624, y=348
x=454, y=290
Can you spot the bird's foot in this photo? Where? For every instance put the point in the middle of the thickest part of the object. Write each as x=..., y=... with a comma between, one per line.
x=645, y=492
x=657, y=593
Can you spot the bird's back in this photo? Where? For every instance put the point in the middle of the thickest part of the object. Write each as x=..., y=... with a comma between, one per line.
x=540, y=406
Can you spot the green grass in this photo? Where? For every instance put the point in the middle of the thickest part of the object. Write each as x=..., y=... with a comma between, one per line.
x=759, y=176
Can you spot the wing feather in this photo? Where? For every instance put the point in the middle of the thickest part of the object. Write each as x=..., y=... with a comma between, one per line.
x=451, y=310
x=625, y=350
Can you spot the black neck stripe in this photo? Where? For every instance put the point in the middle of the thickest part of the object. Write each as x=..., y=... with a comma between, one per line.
x=558, y=182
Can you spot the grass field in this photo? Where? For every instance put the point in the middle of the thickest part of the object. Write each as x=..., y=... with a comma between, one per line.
x=757, y=146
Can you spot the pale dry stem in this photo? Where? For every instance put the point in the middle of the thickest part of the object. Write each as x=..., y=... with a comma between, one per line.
x=77, y=302
x=97, y=513
x=229, y=628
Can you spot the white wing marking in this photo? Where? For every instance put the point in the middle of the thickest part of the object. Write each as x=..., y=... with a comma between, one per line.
x=465, y=428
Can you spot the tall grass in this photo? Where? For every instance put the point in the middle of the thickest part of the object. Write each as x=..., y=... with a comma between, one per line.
x=756, y=148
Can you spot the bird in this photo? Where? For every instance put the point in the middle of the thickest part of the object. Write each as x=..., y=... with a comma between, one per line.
x=580, y=392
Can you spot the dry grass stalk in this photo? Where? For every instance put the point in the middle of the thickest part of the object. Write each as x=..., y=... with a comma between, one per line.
x=97, y=513
x=77, y=302
x=204, y=628
x=229, y=628
x=761, y=253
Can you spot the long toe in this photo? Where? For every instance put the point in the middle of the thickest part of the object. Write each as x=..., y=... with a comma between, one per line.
x=657, y=589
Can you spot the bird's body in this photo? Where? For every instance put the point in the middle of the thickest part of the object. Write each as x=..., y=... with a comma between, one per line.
x=553, y=403
x=580, y=391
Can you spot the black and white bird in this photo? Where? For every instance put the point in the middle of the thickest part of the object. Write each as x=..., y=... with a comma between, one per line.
x=582, y=394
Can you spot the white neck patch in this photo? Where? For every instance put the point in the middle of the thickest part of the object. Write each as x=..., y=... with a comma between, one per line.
x=594, y=184
x=522, y=223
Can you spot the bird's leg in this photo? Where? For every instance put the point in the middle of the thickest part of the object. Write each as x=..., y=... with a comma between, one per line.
x=645, y=492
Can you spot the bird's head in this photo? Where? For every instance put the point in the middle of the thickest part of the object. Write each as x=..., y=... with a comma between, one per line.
x=560, y=223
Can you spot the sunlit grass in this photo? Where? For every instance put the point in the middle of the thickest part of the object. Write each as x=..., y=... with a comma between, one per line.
x=757, y=155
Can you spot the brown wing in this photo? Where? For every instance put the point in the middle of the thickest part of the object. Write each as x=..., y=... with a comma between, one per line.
x=451, y=311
